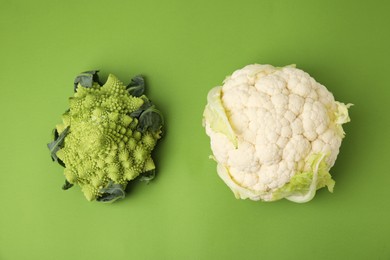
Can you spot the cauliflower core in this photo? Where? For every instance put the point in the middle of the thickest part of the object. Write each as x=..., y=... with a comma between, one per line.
x=275, y=133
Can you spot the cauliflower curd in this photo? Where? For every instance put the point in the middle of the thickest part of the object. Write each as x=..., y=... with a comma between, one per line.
x=275, y=133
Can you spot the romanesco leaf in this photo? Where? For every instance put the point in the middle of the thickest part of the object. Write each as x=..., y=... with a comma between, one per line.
x=151, y=119
x=111, y=193
x=57, y=144
x=86, y=79
x=136, y=87
x=67, y=185
x=148, y=176
x=144, y=106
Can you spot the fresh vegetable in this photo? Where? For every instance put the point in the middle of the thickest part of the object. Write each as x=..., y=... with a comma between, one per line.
x=275, y=133
x=106, y=136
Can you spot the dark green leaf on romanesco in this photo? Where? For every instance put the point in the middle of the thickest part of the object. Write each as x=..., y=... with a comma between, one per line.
x=86, y=79
x=111, y=193
x=57, y=144
x=148, y=176
x=150, y=120
x=147, y=103
x=136, y=87
x=67, y=185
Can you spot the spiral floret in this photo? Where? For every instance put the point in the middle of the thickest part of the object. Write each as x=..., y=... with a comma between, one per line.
x=104, y=146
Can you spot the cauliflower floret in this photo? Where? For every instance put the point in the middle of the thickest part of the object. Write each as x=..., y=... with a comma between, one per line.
x=275, y=133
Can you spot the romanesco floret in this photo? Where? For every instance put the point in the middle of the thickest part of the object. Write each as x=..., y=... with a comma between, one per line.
x=106, y=137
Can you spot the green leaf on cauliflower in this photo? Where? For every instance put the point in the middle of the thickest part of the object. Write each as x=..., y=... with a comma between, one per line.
x=342, y=116
x=215, y=115
x=302, y=186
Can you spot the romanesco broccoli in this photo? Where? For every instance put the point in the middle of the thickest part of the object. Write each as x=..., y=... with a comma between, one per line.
x=106, y=136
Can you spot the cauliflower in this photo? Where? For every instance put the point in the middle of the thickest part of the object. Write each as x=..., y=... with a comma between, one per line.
x=274, y=132
x=106, y=137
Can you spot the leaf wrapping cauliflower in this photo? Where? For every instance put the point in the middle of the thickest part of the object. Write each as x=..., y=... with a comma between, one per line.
x=106, y=137
x=274, y=132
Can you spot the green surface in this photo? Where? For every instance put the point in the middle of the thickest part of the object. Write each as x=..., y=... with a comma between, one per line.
x=184, y=49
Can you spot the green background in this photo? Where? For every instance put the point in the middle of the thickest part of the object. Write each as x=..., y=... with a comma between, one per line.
x=184, y=48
